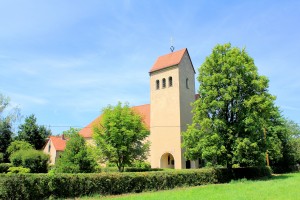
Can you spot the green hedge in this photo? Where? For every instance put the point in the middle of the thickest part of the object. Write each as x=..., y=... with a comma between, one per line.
x=129, y=169
x=41, y=186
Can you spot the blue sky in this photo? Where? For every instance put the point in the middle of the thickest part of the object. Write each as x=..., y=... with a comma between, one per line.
x=65, y=60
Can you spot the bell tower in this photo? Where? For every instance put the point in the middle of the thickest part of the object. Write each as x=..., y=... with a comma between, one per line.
x=172, y=90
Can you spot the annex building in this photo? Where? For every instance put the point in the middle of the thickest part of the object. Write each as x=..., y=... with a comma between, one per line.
x=172, y=90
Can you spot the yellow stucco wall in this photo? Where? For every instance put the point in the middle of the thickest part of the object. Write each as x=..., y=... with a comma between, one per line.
x=52, y=153
x=170, y=111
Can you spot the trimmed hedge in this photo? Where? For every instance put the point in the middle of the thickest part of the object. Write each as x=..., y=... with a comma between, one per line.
x=42, y=186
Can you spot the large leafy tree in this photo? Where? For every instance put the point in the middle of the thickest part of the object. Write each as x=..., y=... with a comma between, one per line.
x=33, y=133
x=5, y=138
x=75, y=158
x=234, y=112
x=289, y=134
x=18, y=145
x=7, y=117
x=121, y=136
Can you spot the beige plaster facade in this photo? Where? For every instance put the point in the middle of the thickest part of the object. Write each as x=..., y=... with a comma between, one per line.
x=172, y=90
x=54, y=147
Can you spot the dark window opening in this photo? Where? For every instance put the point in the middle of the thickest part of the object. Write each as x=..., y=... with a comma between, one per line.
x=187, y=83
x=163, y=83
x=170, y=81
x=157, y=84
x=49, y=147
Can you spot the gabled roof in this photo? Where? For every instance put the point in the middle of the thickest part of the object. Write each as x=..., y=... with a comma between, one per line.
x=58, y=142
x=143, y=110
x=168, y=60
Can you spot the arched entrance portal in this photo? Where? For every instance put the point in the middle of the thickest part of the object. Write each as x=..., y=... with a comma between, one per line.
x=167, y=161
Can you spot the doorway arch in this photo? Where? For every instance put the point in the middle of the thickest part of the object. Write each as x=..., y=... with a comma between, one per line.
x=167, y=161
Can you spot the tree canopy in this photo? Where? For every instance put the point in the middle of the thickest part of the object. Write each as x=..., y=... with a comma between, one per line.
x=75, y=158
x=33, y=133
x=121, y=136
x=7, y=117
x=231, y=119
x=17, y=146
x=6, y=137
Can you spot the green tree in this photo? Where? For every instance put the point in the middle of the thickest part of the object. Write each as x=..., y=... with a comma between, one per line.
x=232, y=112
x=8, y=115
x=289, y=134
x=33, y=133
x=17, y=146
x=75, y=158
x=5, y=138
x=36, y=161
x=121, y=135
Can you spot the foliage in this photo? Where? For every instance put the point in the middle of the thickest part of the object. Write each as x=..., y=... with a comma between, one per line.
x=42, y=186
x=17, y=146
x=35, y=160
x=33, y=133
x=12, y=114
x=234, y=108
x=289, y=135
x=6, y=133
x=121, y=135
x=71, y=132
x=75, y=158
x=18, y=170
x=141, y=164
x=5, y=138
x=4, y=167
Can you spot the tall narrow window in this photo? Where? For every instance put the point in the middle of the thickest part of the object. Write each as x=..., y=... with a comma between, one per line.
x=163, y=83
x=187, y=83
x=170, y=81
x=157, y=84
x=49, y=147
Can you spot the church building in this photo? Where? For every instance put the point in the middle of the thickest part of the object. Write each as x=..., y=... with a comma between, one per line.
x=172, y=90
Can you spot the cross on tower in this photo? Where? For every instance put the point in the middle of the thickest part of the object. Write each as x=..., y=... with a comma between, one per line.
x=172, y=47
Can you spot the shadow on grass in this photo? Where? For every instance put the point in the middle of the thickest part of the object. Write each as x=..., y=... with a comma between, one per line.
x=275, y=177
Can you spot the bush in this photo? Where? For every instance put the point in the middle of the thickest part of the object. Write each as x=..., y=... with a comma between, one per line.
x=18, y=170
x=18, y=145
x=41, y=186
x=35, y=160
x=1, y=157
x=4, y=167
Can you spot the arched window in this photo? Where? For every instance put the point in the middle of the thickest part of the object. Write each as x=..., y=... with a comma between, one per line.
x=157, y=84
x=170, y=81
x=187, y=83
x=163, y=83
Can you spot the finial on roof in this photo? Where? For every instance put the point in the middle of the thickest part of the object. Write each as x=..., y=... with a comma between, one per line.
x=172, y=47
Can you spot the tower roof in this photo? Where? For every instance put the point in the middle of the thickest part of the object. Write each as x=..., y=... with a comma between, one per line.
x=168, y=60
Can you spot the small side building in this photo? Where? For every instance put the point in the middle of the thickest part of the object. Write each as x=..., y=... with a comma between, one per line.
x=54, y=146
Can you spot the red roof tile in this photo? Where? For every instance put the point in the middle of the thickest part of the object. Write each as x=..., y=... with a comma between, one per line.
x=168, y=60
x=143, y=110
x=58, y=143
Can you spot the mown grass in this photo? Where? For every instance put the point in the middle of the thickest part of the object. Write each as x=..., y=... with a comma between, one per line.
x=286, y=186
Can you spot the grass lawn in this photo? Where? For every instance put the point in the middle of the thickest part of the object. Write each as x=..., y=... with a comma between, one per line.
x=286, y=186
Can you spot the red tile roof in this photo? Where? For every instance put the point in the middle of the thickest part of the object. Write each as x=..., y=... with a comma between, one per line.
x=143, y=110
x=168, y=60
x=58, y=143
